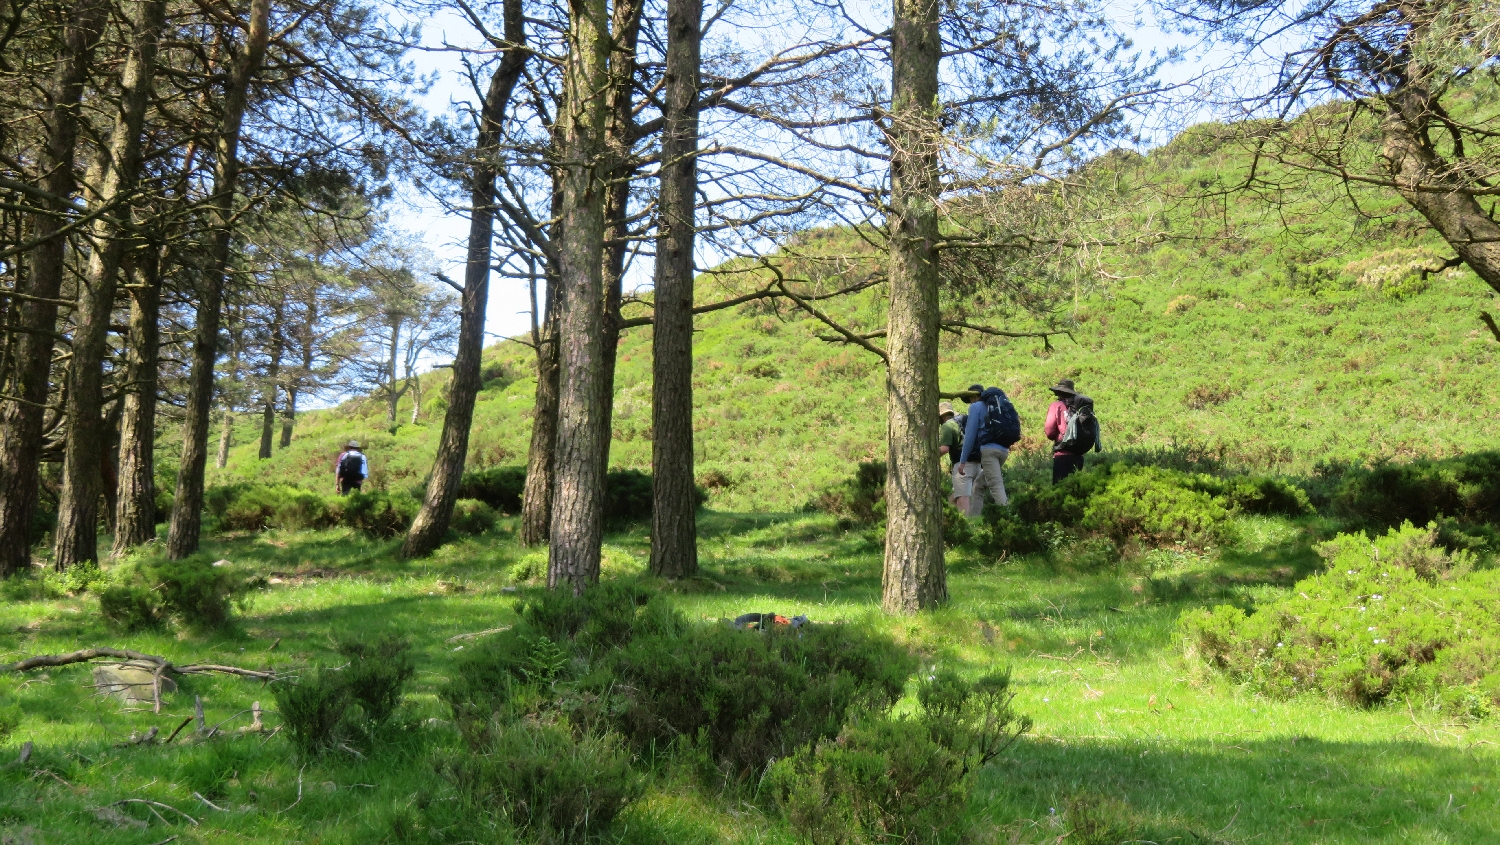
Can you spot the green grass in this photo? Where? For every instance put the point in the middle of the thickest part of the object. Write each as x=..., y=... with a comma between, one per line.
x=1121, y=716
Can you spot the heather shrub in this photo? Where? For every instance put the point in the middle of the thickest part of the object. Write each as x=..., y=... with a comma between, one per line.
x=749, y=697
x=327, y=708
x=856, y=501
x=380, y=514
x=907, y=779
x=499, y=487
x=547, y=781
x=1393, y=616
x=377, y=674
x=130, y=607
x=192, y=592
x=314, y=710
x=472, y=517
x=882, y=780
x=1464, y=488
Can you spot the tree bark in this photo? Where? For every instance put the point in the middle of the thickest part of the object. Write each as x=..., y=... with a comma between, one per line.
x=273, y=380
x=914, y=578
x=431, y=524
x=135, y=504
x=578, y=490
x=288, y=415
x=392, y=396
x=536, y=500
x=674, y=507
x=226, y=438
x=619, y=139
x=308, y=337
x=187, y=508
x=1417, y=169
x=116, y=174
x=21, y=422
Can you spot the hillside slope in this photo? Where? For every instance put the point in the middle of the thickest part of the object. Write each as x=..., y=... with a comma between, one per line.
x=1270, y=336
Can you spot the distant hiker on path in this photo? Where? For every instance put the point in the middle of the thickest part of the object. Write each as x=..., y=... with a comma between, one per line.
x=1072, y=427
x=351, y=469
x=950, y=443
x=992, y=428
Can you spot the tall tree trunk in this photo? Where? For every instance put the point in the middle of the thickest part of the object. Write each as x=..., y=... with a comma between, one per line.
x=431, y=524
x=392, y=397
x=226, y=437
x=273, y=380
x=117, y=173
x=674, y=517
x=135, y=505
x=308, y=337
x=415, y=383
x=187, y=508
x=288, y=415
x=619, y=139
x=536, y=499
x=21, y=419
x=541, y=457
x=914, y=578
x=1421, y=174
x=578, y=489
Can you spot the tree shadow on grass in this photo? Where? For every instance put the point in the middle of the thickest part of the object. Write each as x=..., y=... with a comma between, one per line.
x=1285, y=790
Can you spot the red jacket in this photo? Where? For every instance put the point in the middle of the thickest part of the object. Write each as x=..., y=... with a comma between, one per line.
x=1057, y=421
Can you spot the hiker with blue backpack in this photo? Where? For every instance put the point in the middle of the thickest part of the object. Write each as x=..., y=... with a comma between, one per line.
x=992, y=427
x=351, y=468
x=1072, y=427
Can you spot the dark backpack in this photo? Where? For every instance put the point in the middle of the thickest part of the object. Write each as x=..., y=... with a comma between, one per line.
x=351, y=466
x=1002, y=424
x=1080, y=428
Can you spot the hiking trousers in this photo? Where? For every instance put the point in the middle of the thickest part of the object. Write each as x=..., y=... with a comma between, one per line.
x=1064, y=465
x=990, y=481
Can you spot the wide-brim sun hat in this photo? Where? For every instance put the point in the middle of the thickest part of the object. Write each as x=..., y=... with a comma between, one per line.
x=945, y=409
x=352, y=444
x=1064, y=386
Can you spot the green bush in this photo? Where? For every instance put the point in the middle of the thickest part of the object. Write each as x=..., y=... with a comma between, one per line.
x=473, y=517
x=256, y=507
x=130, y=607
x=499, y=487
x=1151, y=506
x=1005, y=532
x=608, y=615
x=326, y=707
x=621, y=656
x=380, y=514
x=1464, y=488
x=191, y=592
x=749, y=697
x=857, y=501
x=1132, y=504
x=900, y=779
x=627, y=492
x=547, y=782
x=1394, y=615
x=882, y=780
x=314, y=710
x=377, y=675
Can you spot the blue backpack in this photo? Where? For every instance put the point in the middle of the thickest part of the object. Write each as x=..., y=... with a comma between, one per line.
x=1002, y=424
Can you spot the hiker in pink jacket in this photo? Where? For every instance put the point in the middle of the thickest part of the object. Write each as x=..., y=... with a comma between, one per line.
x=1067, y=456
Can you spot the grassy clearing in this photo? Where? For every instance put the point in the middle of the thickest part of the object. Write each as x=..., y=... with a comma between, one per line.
x=1127, y=732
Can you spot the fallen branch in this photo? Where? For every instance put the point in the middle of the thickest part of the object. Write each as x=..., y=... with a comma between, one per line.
x=478, y=634
x=152, y=805
x=178, y=730
x=161, y=665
